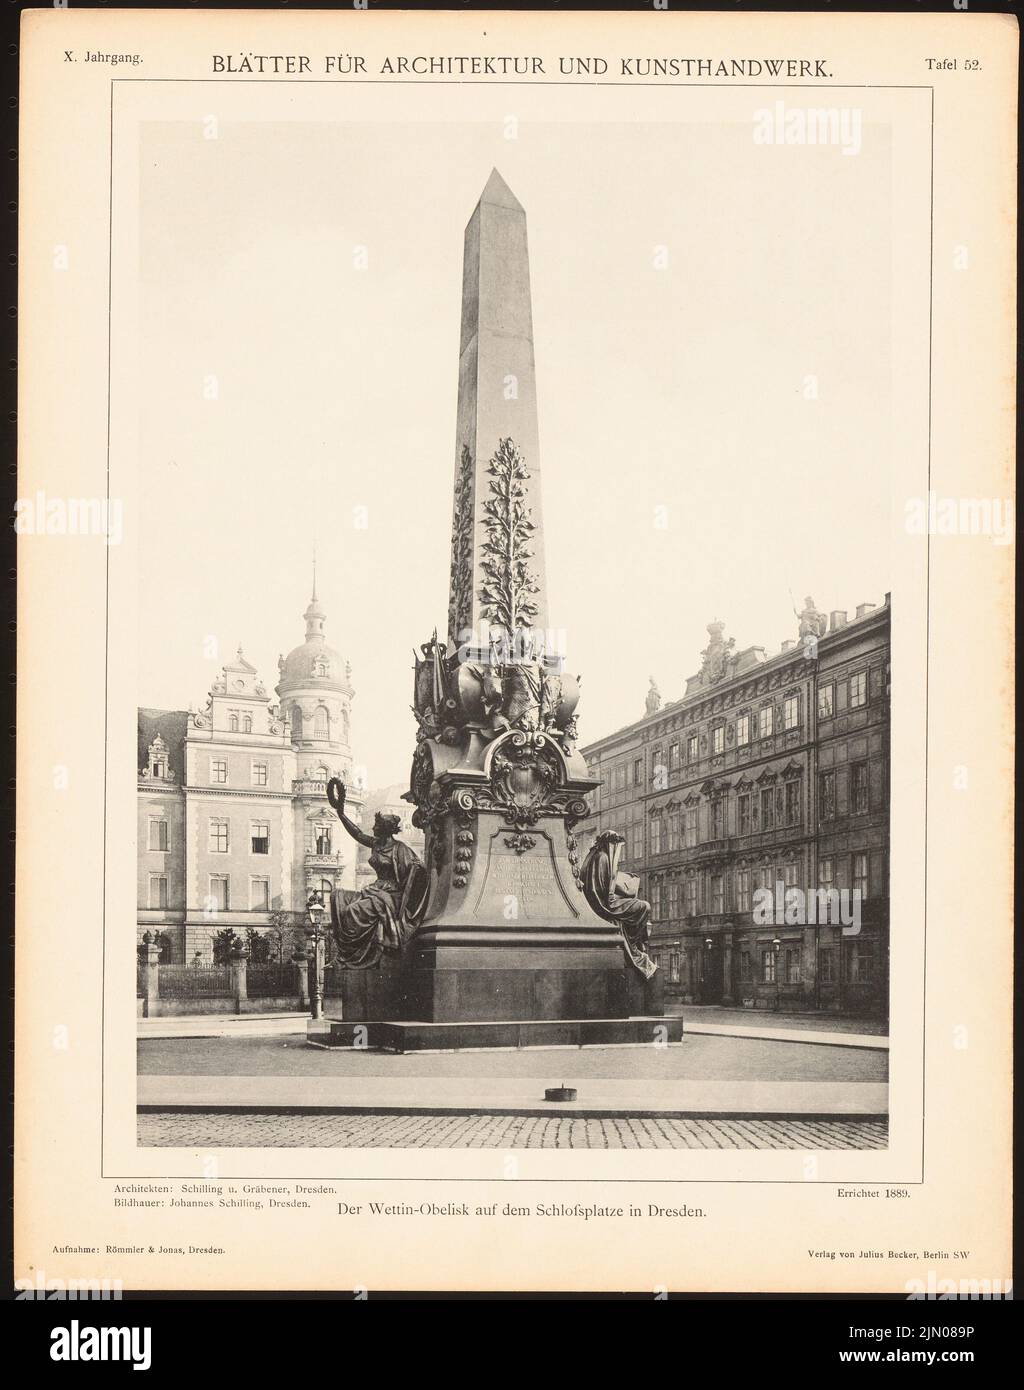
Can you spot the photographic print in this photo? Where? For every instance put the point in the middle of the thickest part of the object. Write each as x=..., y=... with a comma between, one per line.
x=528, y=586
x=691, y=895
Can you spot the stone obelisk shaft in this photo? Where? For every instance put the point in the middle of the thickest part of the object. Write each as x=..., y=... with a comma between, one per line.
x=497, y=572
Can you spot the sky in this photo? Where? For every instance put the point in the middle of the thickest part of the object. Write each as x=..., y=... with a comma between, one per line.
x=712, y=329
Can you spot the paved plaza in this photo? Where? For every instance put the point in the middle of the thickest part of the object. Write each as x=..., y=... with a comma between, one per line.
x=700, y=1057
x=709, y=1092
x=204, y=1129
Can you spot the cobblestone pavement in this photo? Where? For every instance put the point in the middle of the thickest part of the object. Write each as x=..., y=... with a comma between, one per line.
x=467, y=1131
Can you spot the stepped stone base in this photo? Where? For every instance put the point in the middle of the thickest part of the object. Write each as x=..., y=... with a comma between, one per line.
x=380, y=1036
x=513, y=986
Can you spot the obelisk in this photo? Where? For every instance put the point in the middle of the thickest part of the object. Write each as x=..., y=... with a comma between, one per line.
x=497, y=432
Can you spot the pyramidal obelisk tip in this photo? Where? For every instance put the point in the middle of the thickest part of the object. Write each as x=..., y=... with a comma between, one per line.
x=497, y=191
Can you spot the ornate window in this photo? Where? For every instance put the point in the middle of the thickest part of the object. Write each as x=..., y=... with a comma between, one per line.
x=656, y=834
x=247, y=724
x=218, y=770
x=765, y=721
x=743, y=730
x=157, y=891
x=743, y=890
x=219, y=895
x=827, y=796
x=259, y=895
x=157, y=761
x=158, y=837
x=233, y=722
x=259, y=832
x=718, y=739
x=858, y=788
x=743, y=814
x=825, y=705
x=321, y=723
x=860, y=875
x=691, y=748
x=858, y=690
x=218, y=837
x=860, y=962
x=717, y=893
x=791, y=712
x=258, y=775
x=322, y=838
x=690, y=896
x=656, y=899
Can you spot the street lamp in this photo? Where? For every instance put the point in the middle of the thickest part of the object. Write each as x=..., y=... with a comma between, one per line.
x=776, y=944
x=315, y=913
x=707, y=982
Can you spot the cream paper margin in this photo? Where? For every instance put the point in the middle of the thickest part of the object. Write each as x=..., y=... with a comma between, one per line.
x=764, y=1211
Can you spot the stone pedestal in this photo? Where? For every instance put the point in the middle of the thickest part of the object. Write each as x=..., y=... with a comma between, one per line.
x=508, y=933
x=509, y=938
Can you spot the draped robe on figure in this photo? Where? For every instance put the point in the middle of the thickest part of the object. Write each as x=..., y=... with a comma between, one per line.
x=381, y=917
x=613, y=896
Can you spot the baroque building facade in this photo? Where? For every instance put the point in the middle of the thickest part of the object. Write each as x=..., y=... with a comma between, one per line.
x=234, y=830
x=771, y=773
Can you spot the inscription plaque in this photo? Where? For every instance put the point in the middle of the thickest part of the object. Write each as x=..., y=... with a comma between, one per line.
x=523, y=887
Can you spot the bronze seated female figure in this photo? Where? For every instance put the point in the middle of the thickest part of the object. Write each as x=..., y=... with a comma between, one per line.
x=381, y=917
x=614, y=895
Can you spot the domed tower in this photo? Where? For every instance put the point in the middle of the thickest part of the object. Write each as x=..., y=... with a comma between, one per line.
x=316, y=699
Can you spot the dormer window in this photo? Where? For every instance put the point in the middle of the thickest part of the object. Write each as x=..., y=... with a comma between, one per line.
x=157, y=764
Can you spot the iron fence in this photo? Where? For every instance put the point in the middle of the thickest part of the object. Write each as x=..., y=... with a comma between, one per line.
x=265, y=981
x=193, y=981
